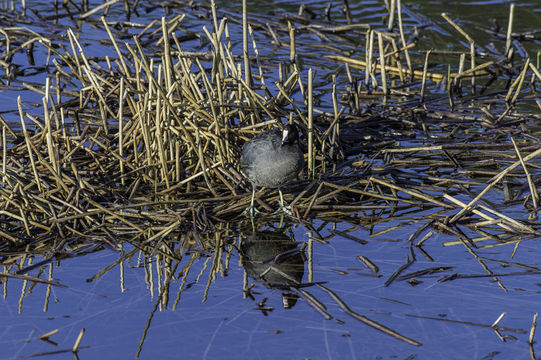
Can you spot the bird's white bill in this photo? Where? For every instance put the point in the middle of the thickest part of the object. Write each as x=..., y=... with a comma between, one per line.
x=285, y=134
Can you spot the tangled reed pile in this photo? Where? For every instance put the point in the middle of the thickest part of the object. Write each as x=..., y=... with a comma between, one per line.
x=143, y=144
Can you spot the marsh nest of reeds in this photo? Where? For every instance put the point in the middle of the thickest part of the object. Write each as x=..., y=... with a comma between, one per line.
x=144, y=146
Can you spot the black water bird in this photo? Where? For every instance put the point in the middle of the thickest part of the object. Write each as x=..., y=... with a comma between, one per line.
x=272, y=159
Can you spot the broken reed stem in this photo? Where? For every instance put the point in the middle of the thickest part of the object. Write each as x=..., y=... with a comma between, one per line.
x=167, y=55
x=121, y=97
x=4, y=155
x=457, y=28
x=159, y=137
x=534, y=69
x=359, y=64
x=48, y=135
x=470, y=72
x=311, y=169
x=472, y=65
x=493, y=182
x=78, y=340
x=367, y=320
x=367, y=57
x=508, y=38
x=472, y=45
x=98, y=8
x=257, y=58
x=28, y=144
x=382, y=67
x=370, y=68
x=481, y=214
x=425, y=71
x=495, y=323
x=409, y=192
x=396, y=55
x=531, y=184
x=532, y=329
x=456, y=80
x=292, y=50
x=115, y=45
x=511, y=221
x=247, y=68
x=392, y=7
x=48, y=334
x=521, y=78
x=403, y=37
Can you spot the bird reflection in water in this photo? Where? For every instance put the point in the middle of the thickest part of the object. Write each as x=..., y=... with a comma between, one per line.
x=274, y=259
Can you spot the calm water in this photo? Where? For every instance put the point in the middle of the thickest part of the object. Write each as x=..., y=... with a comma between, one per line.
x=228, y=325
x=208, y=313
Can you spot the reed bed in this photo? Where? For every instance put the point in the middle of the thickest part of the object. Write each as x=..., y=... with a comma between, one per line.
x=146, y=142
x=141, y=146
x=142, y=139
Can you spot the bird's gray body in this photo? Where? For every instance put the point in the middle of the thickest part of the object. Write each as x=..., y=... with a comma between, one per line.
x=268, y=162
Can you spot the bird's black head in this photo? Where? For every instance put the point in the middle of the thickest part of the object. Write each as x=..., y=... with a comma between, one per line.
x=290, y=134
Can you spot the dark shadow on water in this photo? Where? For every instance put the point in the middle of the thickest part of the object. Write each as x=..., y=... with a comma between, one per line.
x=271, y=257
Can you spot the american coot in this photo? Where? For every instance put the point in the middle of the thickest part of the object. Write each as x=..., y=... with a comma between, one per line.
x=272, y=159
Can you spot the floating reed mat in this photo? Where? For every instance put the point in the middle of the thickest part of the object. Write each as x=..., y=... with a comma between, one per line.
x=145, y=143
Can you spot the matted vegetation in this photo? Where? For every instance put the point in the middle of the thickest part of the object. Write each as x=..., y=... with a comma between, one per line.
x=156, y=133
